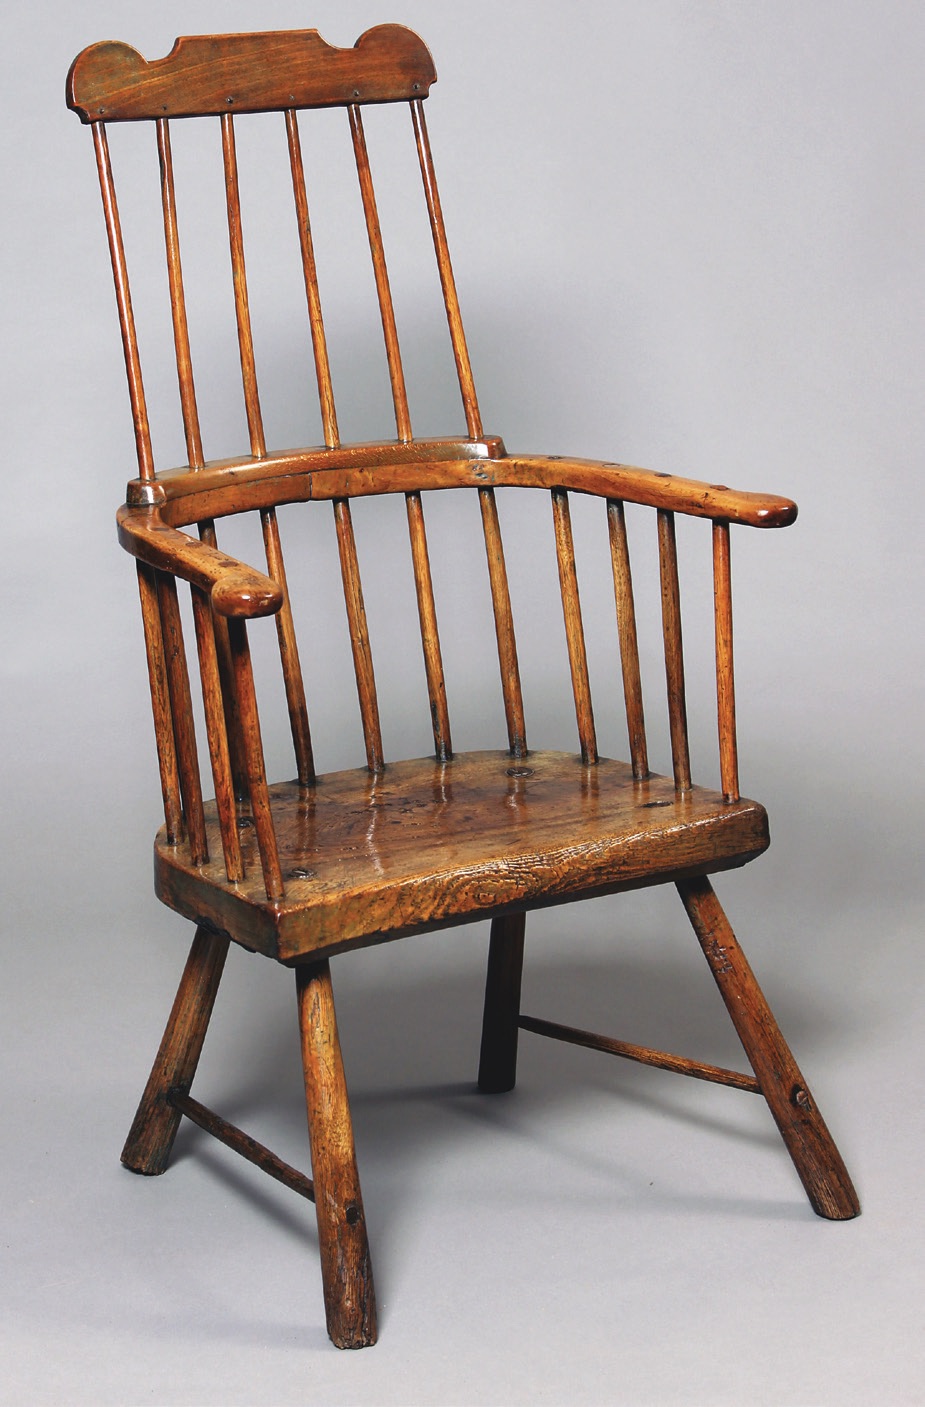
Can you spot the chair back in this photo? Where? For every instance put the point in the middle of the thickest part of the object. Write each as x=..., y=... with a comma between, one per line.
x=226, y=80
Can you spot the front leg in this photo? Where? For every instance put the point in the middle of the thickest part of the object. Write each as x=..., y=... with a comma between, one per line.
x=349, y=1296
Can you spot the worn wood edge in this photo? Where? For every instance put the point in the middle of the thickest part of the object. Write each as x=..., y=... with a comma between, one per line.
x=235, y=588
x=204, y=75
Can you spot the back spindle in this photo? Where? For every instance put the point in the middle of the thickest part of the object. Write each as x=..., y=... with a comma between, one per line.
x=383, y=290
x=319, y=342
x=574, y=630
x=504, y=625
x=213, y=706
x=178, y=299
x=136, y=388
x=359, y=635
x=447, y=281
x=160, y=702
x=181, y=709
x=674, y=655
x=725, y=676
x=241, y=305
x=226, y=675
x=430, y=639
x=289, y=652
x=629, y=645
x=253, y=757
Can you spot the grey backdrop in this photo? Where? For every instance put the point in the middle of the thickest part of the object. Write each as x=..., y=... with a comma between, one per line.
x=686, y=235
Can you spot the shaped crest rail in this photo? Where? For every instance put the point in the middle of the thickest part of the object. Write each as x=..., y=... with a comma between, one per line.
x=210, y=74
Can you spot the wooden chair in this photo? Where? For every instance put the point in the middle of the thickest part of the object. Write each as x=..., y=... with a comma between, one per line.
x=302, y=869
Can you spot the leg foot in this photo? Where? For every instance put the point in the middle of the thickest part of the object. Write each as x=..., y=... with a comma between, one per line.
x=498, y=1059
x=147, y=1148
x=802, y=1127
x=349, y=1296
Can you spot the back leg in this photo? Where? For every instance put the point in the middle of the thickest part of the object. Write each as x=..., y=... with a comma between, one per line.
x=150, y=1140
x=802, y=1127
x=498, y=1058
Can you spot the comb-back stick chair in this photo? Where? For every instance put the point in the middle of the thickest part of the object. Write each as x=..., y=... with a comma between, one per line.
x=303, y=869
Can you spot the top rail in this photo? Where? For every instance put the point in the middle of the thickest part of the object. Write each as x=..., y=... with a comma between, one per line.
x=204, y=75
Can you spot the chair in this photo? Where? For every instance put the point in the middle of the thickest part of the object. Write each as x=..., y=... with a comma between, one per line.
x=303, y=869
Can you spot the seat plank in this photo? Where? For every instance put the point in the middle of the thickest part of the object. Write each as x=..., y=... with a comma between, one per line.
x=426, y=844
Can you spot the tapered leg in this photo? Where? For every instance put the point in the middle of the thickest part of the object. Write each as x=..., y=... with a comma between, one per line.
x=349, y=1297
x=498, y=1059
x=802, y=1127
x=150, y=1139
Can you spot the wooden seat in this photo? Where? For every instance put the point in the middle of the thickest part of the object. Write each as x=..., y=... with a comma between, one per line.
x=318, y=862
x=425, y=843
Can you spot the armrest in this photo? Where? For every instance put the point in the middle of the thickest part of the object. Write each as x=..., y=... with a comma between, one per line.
x=235, y=589
x=665, y=491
